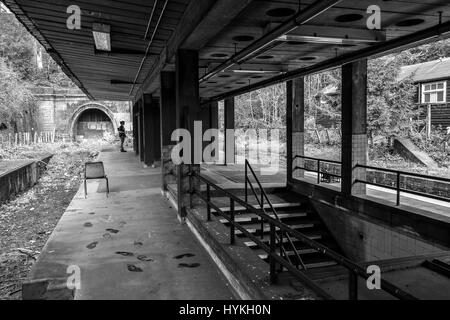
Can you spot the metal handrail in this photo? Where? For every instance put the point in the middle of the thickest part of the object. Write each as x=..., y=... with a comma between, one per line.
x=273, y=256
x=314, y=159
x=272, y=208
x=404, y=173
x=280, y=241
x=398, y=188
x=354, y=269
x=398, y=173
x=318, y=170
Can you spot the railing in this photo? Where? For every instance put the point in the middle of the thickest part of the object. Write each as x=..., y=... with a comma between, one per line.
x=397, y=173
x=398, y=187
x=264, y=196
x=318, y=167
x=355, y=270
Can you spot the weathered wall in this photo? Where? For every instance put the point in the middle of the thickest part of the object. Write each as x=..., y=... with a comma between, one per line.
x=59, y=109
x=408, y=150
x=364, y=240
x=370, y=230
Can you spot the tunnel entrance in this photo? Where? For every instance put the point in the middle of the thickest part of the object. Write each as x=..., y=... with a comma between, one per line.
x=93, y=124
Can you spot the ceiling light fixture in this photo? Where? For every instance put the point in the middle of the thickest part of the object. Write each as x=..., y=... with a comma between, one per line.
x=257, y=71
x=102, y=36
x=325, y=40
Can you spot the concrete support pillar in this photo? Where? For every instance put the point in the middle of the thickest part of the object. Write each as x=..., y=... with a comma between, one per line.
x=230, y=146
x=187, y=112
x=297, y=93
x=156, y=132
x=354, y=126
x=289, y=153
x=214, y=115
x=151, y=130
x=210, y=120
x=141, y=129
x=168, y=126
x=214, y=124
x=135, y=129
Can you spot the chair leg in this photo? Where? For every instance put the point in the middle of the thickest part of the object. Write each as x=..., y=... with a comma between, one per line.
x=85, y=189
x=107, y=187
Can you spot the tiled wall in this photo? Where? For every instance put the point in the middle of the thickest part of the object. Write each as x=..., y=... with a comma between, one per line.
x=359, y=156
x=298, y=141
x=363, y=240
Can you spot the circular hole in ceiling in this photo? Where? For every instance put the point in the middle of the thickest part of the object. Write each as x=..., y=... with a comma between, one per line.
x=280, y=12
x=224, y=76
x=351, y=17
x=410, y=22
x=265, y=57
x=348, y=45
x=219, y=55
x=307, y=58
x=243, y=38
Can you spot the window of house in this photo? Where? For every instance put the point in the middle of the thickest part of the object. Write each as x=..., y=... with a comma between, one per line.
x=434, y=92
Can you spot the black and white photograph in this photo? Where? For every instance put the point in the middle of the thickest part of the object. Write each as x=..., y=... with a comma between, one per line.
x=224, y=156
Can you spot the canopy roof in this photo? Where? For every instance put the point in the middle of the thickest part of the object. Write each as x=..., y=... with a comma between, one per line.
x=327, y=34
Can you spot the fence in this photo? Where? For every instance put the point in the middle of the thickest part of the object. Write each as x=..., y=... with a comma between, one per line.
x=30, y=138
x=327, y=136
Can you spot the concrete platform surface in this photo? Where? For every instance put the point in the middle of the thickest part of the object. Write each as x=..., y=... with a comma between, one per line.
x=128, y=246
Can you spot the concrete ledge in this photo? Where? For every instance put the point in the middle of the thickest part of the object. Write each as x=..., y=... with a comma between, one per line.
x=407, y=149
x=22, y=178
x=47, y=289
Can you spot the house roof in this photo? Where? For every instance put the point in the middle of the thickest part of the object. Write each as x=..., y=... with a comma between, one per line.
x=427, y=71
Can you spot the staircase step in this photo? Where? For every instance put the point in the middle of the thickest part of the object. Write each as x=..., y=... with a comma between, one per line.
x=301, y=252
x=313, y=236
x=249, y=218
x=323, y=264
x=267, y=228
x=311, y=258
x=257, y=207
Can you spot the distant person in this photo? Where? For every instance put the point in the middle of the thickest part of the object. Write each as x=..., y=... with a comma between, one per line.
x=122, y=135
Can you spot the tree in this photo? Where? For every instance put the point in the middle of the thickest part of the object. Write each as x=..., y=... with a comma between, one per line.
x=15, y=97
x=429, y=52
x=19, y=49
x=390, y=101
x=262, y=109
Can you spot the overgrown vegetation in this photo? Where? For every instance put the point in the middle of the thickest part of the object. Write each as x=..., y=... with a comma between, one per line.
x=24, y=64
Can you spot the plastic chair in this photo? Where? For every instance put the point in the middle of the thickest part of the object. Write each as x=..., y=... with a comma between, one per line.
x=94, y=171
